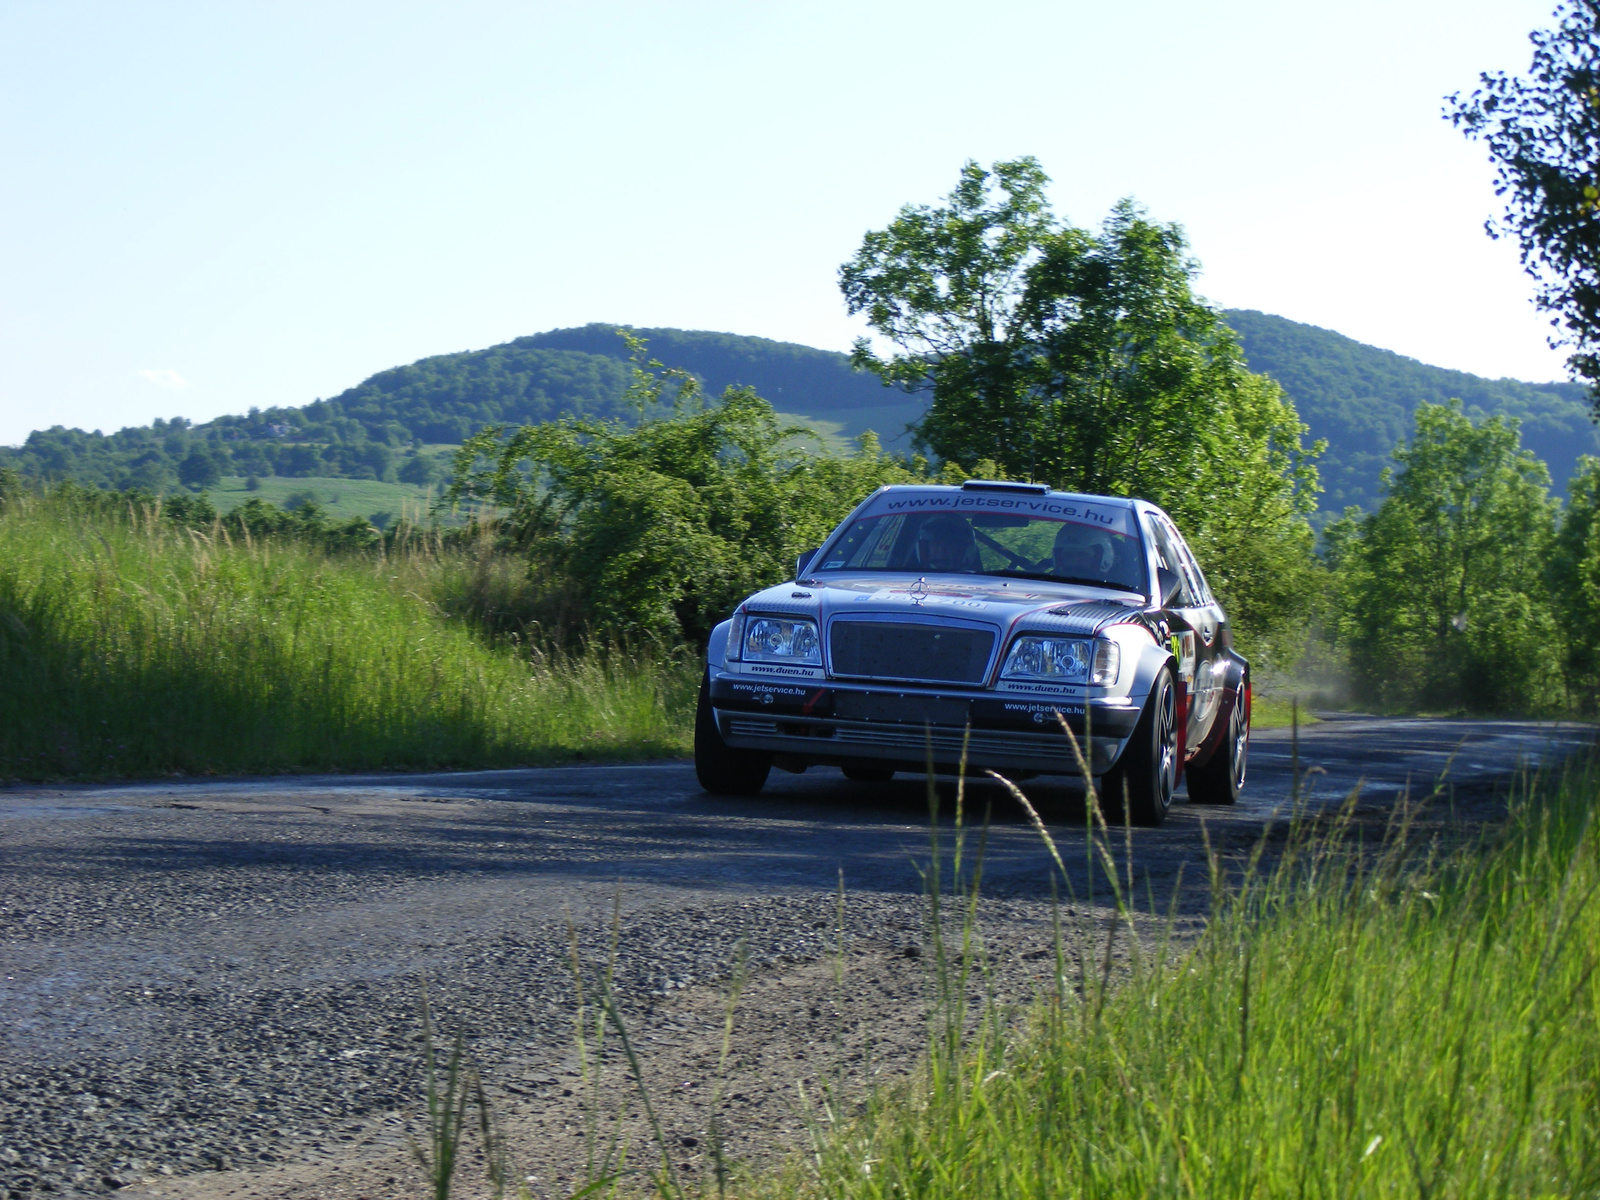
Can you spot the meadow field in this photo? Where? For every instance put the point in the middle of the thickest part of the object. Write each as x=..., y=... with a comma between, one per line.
x=343, y=498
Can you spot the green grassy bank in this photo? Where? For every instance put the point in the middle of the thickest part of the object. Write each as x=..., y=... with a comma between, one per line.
x=130, y=647
x=1355, y=1022
x=1277, y=712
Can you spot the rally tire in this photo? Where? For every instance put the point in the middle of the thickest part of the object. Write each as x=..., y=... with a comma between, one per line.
x=722, y=769
x=1221, y=778
x=1138, y=790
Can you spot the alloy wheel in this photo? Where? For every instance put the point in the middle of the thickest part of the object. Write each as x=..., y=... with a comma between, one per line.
x=1166, y=731
x=1241, y=744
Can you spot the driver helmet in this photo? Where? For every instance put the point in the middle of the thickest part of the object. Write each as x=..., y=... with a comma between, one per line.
x=1083, y=547
x=946, y=544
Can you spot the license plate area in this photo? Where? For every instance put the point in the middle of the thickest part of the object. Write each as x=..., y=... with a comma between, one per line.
x=902, y=709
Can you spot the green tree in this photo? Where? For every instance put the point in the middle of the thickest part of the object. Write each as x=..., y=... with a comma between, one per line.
x=663, y=526
x=1441, y=596
x=1575, y=584
x=1086, y=360
x=199, y=469
x=950, y=287
x=1543, y=136
x=417, y=469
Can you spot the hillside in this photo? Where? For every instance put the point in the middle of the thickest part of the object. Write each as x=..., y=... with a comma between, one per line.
x=1361, y=399
x=401, y=422
x=396, y=422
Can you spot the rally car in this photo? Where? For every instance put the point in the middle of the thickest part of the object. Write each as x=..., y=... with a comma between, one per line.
x=959, y=626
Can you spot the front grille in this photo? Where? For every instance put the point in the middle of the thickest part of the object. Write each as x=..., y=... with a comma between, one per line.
x=903, y=650
x=949, y=744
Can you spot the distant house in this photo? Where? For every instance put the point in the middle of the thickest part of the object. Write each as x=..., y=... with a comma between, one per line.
x=279, y=430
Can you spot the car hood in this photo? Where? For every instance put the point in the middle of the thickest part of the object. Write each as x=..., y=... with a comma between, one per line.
x=979, y=599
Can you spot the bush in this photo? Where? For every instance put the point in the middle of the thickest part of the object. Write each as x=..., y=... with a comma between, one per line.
x=662, y=527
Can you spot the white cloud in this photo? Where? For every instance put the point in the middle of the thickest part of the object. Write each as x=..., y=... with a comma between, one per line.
x=164, y=378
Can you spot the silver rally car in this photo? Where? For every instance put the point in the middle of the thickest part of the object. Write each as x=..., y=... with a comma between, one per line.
x=941, y=620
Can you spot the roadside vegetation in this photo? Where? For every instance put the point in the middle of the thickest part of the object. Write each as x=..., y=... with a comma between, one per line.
x=1470, y=588
x=145, y=641
x=1407, y=1010
x=556, y=599
x=1355, y=1021
x=563, y=611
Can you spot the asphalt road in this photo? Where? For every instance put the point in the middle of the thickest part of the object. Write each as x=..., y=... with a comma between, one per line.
x=206, y=974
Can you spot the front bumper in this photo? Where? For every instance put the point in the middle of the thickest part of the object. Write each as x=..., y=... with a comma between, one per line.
x=834, y=724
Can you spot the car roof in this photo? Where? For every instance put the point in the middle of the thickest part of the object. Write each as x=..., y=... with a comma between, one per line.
x=1001, y=487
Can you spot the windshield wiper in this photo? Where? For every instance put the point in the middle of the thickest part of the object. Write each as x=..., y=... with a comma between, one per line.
x=1049, y=578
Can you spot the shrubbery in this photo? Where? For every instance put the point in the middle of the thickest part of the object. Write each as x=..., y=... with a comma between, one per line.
x=656, y=529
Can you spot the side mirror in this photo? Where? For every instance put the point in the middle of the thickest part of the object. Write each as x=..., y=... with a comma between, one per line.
x=804, y=561
x=1168, y=583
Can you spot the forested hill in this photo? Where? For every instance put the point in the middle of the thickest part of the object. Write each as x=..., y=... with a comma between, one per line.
x=375, y=428
x=585, y=370
x=1358, y=397
x=1361, y=399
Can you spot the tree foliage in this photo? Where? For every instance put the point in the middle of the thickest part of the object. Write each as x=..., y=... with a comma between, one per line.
x=1441, y=594
x=662, y=525
x=1542, y=131
x=1086, y=360
x=1575, y=585
x=199, y=469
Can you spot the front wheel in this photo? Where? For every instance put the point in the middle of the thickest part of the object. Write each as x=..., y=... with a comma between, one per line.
x=722, y=769
x=1138, y=790
x=1221, y=779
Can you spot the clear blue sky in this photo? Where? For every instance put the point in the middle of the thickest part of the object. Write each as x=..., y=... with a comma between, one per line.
x=211, y=206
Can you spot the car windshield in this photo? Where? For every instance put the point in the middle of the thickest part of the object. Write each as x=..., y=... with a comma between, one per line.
x=1103, y=552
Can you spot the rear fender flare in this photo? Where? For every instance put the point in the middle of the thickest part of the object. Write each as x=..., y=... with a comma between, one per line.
x=1236, y=690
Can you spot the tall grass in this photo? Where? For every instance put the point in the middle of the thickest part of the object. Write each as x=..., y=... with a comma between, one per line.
x=129, y=646
x=1397, y=1022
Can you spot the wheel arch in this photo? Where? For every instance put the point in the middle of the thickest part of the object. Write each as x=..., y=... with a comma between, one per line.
x=717, y=646
x=1235, y=689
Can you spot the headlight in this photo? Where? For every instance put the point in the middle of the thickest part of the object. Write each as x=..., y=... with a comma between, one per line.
x=775, y=639
x=1064, y=659
x=1068, y=660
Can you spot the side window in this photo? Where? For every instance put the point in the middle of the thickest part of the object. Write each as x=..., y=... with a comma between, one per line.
x=1167, y=555
x=1202, y=588
x=1191, y=569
